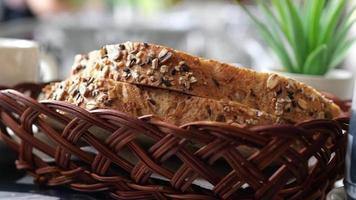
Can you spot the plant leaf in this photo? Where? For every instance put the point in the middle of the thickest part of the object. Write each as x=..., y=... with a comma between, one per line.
x=340, y=36
x=282, y=16
x=272, y=41
x=313, y=13
x=279, y=25
x=276, y=26
x=341, y=52
x=299, y=44
x=313, y=61
x=332, y=16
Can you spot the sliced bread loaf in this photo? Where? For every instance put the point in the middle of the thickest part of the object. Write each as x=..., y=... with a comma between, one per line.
x=170, y=106
x=165, y=68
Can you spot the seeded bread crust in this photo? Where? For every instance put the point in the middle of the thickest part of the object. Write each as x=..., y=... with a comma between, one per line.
x=166, y=68
x=170, y=106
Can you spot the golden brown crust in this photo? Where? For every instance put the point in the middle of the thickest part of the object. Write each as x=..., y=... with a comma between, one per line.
x=166, y=68
x=174, y=107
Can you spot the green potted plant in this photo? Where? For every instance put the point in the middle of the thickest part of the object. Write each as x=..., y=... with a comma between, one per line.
x=310, y=39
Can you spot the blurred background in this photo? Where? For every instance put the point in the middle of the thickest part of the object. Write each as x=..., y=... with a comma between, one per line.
x=217, y=29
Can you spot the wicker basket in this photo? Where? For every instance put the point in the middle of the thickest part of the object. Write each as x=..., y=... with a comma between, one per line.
x=135, y=160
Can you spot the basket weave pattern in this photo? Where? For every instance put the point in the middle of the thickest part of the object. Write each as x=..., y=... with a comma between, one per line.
x=287, y=162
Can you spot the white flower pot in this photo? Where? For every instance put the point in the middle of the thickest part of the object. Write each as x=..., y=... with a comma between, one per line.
x=338, y=82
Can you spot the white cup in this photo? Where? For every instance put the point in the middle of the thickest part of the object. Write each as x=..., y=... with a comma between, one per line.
x=22, y=61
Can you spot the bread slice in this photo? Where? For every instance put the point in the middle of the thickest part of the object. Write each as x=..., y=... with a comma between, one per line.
x=161, y=67
x=170, y=106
